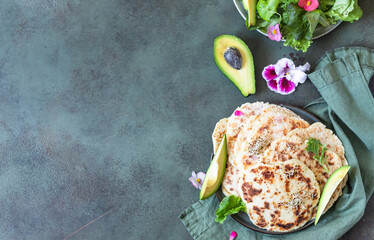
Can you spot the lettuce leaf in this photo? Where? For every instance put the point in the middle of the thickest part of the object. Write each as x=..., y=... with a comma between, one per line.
x=345, y=10
x=355, y=14
x=317, y=17
x=302, y=44
x=297, y=27
x=322, y=18
x=313, y=19
x=228, y=206
x=263, y=25
x=325, y=5
x=289, y=1
x=267, y=8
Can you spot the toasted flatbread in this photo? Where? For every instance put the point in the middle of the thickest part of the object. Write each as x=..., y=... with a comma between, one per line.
x=267, y=136
x=250, y=114
x=281, y=196
x=333, y=144
x=255, y=138
x=292, y=147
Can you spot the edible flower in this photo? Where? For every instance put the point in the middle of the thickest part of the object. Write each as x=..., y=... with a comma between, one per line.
x=284, y=76
x=274, y=33
x=238, y=113
x=308, y=5
x=197, y=179
x=233, y=235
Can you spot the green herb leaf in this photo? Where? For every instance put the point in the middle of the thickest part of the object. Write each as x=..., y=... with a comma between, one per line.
x=297, y=27
x=267, y=8
x=263, y=25
x=316, y=17
x=316, y=147
x=289, y=1
x=325, y=4
x=345, y=10
x=228, y=206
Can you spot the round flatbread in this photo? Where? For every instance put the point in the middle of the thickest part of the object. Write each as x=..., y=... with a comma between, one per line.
x=292, y=147
x=257, y=136
x=266, y=136
x=279, y=197
x=250, y=113
x=332, y=143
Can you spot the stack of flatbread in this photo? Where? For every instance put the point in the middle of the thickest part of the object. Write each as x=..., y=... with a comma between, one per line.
x=269, y=167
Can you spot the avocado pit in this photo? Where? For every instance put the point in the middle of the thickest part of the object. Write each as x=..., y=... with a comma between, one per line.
x=233, y=58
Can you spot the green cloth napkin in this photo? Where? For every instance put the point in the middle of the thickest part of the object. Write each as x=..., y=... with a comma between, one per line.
x=347, y=107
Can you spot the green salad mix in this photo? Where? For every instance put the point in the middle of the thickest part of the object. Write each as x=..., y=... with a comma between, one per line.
x=296, y=20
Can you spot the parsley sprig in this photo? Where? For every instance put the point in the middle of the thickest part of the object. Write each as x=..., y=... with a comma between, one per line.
x=316, y=147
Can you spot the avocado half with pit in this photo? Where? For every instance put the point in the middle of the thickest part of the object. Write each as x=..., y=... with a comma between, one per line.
x=216, y=171
x=235, y=60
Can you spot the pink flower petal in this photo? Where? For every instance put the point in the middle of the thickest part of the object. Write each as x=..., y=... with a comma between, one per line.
x=286, y=87
x=238, y=113
x=308, y=5
x=274, y=33
x=193, y=181
x=269, y=72
x=233, y=235
x=201, y=175
x=193, y=174
x=273, y=85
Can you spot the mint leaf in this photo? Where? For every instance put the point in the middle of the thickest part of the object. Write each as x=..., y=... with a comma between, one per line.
x=228, y=206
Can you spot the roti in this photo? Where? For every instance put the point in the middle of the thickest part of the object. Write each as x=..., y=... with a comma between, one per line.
x=250, y=114
x=263, y=136
x=255, y=138
x=292, y=147
x=332, y=143
x=279, y=196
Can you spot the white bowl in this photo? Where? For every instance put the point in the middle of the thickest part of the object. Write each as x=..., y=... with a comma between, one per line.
x=319, y=32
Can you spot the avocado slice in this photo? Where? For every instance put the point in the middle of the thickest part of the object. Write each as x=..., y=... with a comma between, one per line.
x=235, y=60
x=216, y=171
x=329, y=188
x=251, y=18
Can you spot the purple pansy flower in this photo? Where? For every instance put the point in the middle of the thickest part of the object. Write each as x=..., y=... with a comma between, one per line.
x=284, y=76
x=197, y=179
x=274, y=33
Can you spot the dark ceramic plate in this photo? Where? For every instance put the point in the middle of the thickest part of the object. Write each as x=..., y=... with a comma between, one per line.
x=242, y=217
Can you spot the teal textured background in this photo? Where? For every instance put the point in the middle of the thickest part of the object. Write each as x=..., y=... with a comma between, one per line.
x=107, y=106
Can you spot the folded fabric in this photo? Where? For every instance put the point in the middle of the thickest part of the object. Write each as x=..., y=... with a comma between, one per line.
x=347, y=106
